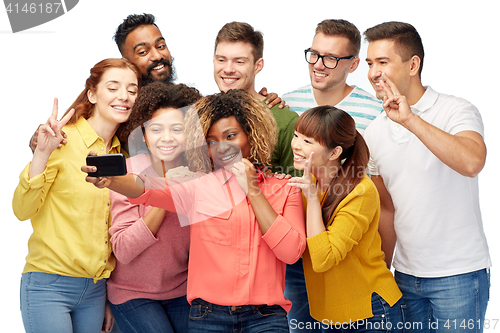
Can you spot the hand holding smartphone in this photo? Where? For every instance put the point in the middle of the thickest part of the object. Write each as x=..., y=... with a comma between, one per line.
x=108, y=165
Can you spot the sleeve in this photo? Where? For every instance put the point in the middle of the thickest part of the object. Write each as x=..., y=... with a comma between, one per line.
x=130, y=236
x=465, y=117
x=30, y=194
x=170, y=197
x=286, y=237
x=351, y=222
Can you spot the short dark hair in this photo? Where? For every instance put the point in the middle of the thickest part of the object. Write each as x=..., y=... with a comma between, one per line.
x=406, y=39
x=342, y=28
x=242, y=32
x=129, y=24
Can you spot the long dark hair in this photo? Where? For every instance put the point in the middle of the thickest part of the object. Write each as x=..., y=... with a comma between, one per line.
x=332, y=127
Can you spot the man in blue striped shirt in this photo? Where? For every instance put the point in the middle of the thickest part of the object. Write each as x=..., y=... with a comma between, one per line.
x=331, y=57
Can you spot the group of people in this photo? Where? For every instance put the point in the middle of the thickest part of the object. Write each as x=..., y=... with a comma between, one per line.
x=205, y=234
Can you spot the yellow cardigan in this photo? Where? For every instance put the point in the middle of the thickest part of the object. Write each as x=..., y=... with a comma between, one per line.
x=344, y=265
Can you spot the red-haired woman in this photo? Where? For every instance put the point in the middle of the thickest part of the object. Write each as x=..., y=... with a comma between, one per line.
x=63, y=286
x=349, y=286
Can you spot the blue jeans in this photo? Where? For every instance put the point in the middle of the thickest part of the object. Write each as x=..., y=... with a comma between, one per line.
x=206, y=317
x=385, y=318
x=448, y=304
x=61, y=304
x=299, y=318
x=144, y=315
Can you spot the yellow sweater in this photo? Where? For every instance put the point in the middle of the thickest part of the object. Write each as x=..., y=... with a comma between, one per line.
x=344, y=265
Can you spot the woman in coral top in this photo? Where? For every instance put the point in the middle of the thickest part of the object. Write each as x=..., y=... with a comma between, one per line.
x=245, y=227
x=349, y=286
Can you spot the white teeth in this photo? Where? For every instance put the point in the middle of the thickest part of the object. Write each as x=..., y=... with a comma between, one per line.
x=320, y=75
x=229, y=79
x=158, y=67
x=120, y=108
x=166, y=148
x=229, y=157
x=298, y=157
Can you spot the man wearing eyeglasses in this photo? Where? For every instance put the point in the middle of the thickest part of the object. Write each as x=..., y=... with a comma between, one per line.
x=332, y=56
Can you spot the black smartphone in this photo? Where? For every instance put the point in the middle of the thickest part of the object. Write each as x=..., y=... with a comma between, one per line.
x=108, y=165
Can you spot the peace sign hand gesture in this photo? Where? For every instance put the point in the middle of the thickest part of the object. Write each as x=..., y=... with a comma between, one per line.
x=305, y=183
x=49, y=134
x=395, y=105
x=49, y=138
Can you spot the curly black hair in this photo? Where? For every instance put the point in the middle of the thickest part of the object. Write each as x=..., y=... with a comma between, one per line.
x=158, y=95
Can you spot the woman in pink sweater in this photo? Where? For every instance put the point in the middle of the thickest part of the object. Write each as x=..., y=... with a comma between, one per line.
x=147, y=289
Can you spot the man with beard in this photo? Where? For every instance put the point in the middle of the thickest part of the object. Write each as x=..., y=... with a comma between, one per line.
x=141, y=42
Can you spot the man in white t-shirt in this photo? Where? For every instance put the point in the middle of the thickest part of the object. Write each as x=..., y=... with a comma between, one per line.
x=426, y=151
x=332, y=56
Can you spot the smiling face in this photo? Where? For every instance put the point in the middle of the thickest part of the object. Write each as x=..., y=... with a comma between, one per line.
x=235, y=67
x=164, y=135
x=227, y=142
x=145, y=47
x=382, y=58
x=303, y=146
x=114, y=96
x=323, y=78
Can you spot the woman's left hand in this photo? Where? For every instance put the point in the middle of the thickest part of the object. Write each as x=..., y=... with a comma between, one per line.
x=246, y=176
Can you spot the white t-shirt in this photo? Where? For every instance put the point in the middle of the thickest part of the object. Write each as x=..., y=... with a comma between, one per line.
x=437, y=217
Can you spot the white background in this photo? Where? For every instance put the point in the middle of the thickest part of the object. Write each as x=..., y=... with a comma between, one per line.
x=53, y=60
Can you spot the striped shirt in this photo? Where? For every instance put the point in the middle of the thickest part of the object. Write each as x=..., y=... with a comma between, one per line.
x=361, y=105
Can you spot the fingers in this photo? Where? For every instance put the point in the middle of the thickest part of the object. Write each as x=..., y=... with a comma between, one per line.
x=66, y=118
x=55, y=109
x=307, y=167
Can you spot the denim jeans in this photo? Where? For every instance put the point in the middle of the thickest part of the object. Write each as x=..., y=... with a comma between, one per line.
x=299, y=318
x=59, y=304
x=448, y=304
x=144, y=315
x=385, y=318
x=206, y=317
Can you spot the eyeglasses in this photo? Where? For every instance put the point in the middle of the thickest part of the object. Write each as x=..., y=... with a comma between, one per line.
x=329, y=61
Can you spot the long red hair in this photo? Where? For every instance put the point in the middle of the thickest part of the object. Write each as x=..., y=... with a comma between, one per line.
x=83, y=107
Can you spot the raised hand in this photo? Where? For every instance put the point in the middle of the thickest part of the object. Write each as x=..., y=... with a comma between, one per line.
x=246, y=176
x=305, y=183
x=50, y=134
x=395, y=105
x=49, y=138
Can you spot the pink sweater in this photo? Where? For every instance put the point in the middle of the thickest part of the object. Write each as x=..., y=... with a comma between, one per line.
x=147, y=266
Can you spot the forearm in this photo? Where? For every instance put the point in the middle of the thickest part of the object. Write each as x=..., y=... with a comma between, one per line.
x=314, y=217
x=264, y=213
x=38, y=163
x=154, y=218
x=129, y=185
x=464, y=152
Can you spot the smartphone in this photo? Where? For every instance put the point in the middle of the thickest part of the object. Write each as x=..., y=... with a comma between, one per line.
x=108, y=165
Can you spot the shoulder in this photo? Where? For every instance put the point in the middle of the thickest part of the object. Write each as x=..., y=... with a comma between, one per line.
x=302, y=90
x=365, y=191
x=284, y=116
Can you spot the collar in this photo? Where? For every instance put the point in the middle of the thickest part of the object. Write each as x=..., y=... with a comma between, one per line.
x=427, y=100
x=90, y=137
x=223, y=176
